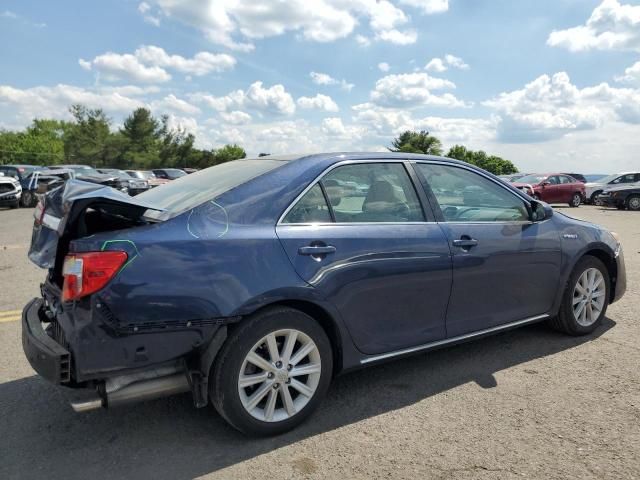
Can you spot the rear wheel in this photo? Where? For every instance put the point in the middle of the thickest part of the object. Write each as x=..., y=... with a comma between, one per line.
x=28, y=200
x=575, y=201
x=272, y=372
x=586, y=298
x=633, y=203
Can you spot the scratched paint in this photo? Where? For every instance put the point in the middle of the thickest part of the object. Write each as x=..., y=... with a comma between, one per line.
x=208, y=221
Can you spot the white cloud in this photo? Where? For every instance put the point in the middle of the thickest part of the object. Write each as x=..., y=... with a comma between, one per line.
x=362, y=40
x=53, y=102
x=413, y=90
x=428, y=6
x=144, y=8
x=398, y=37
x=236, y=24
x=114, y=67
x=552, y=107
x=149, y=63
x=325, y=79
x=202, y=63
x=9, y=14
x=437, y=64
x=274, y=99
x=175, y=104
x=611, y=26
x=631, y=75
x=384, y=67
x=333, y=126
x=319, y=102
x=236, y=117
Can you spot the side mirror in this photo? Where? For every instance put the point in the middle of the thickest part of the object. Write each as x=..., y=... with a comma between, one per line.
x=540, y=211
x=544, y=184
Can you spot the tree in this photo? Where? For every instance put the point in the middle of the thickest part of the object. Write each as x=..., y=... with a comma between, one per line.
x=228, y=153
x=417, y=142
x=176, y=146
x=490, y=163
x=85, y=139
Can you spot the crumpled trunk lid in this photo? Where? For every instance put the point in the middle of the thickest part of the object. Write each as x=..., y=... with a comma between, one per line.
x=79, y=209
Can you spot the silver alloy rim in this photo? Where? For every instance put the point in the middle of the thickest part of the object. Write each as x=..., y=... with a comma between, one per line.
x=576, y=200
x=279, y=375
x=634, y=203
x=589, y=297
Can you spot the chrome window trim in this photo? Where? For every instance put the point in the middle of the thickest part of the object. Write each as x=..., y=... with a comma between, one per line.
x=316, y=180
x=447, y=341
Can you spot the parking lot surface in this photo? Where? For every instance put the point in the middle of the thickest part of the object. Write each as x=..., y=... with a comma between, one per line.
x=527, y=403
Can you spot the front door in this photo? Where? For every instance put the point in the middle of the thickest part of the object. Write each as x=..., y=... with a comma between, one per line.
x=360, y=237
x=505, y=267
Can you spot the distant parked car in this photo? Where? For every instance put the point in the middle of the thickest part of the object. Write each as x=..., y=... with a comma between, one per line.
x=168, y=173
x=593, y=189
x=22, y=173
x=188, y=170
x=148, y=176
x=129, y=184
x=622, y=197
x=577, y=176
x=90, y=174
x=10, y=191
x=513, y=177
x=553, y=188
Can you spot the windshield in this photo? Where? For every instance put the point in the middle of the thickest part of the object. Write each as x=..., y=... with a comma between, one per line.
x=192, y=190
x=532, y=179
x=608, y=178
x=140, y=174
x=174, y=173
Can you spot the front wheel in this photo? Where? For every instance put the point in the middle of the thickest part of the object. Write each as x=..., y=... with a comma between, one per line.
x=633, y=203
x=272, y=372
x=595, y=200
x=586, y=298
x=575, y=201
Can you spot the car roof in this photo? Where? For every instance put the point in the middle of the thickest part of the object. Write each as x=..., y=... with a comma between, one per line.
x=69, y=165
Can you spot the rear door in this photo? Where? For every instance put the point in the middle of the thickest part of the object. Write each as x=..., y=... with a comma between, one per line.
x=506, y=268
x=360, y=236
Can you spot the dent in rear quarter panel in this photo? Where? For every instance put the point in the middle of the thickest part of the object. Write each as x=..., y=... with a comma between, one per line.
x=197, y=266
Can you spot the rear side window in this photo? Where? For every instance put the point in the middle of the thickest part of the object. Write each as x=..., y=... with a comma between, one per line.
x=311, y=208
x=372, y=193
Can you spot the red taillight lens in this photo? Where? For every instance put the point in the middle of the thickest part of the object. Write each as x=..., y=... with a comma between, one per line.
x=86, y=273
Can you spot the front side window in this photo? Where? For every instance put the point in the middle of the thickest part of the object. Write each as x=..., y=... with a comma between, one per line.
x=372, y=193
x=465, y=196
x=629, y=178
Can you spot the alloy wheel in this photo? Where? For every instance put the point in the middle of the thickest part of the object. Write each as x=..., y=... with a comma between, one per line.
x=279, y=375
x=575, y=200
x=634, y=203
x=589, y=297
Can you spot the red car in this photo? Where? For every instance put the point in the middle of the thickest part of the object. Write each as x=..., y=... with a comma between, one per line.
x=553, y=188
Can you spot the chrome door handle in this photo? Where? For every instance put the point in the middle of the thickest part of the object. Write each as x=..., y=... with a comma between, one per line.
x=465, y=243
x=317, y=250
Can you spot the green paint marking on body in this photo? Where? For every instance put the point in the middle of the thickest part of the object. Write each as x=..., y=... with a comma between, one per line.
x=131, y=242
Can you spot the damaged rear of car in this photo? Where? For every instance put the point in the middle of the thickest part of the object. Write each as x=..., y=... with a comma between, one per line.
x=127, y=311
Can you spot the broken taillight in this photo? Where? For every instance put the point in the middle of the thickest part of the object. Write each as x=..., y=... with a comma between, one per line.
x=38, y=213
x=86, y=273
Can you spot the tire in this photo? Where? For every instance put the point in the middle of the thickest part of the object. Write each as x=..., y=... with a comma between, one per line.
x=229, y=398
x=567, y=321
x=27, y=200
x=594, y=198
x=633, y=203
x=576, y=200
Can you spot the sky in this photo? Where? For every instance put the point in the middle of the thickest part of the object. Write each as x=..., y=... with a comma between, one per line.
x=550, y=84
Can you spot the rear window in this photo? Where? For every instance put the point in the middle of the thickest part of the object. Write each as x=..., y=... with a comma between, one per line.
x=192, y=190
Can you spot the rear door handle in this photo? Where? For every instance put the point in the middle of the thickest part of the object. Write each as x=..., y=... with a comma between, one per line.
x=317, y=250
x=465, y=242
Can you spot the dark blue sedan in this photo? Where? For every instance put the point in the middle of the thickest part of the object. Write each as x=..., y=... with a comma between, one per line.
x=253, y=283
